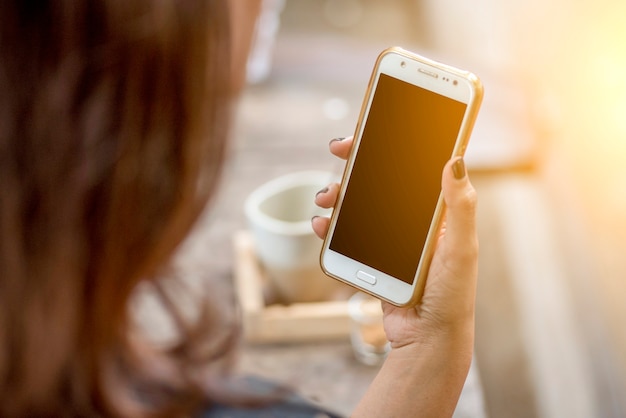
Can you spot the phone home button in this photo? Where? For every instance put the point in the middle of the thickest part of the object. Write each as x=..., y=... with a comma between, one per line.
x=366, y=277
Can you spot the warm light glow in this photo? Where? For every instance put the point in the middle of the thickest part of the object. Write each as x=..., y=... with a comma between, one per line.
x=591, y=87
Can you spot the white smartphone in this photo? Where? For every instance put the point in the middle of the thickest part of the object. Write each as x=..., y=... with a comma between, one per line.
x=417, y=114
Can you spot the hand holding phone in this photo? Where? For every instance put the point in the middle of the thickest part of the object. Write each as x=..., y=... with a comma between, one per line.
x=431, y=342
x=417, y=114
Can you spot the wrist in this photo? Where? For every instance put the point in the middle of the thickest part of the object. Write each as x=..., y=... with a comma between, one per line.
x=427, y=375
x=445, y=344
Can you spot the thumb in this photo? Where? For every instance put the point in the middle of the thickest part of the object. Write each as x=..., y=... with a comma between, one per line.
x=460, y=198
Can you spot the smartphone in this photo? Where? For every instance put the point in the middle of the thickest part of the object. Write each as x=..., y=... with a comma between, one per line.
x=417, y=114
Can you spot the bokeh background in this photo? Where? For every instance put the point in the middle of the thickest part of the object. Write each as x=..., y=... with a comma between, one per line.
x=547, y=158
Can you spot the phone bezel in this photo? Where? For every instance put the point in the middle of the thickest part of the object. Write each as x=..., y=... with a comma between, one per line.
x=442, y=79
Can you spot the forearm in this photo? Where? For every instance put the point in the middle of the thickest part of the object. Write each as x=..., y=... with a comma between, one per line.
x=422, y=379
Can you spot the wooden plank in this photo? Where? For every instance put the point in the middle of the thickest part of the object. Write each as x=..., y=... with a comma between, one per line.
x=559, y=367
x=298, y=322
x=247, y=281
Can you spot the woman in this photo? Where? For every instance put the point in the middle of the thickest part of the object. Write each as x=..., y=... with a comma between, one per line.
x=113, y=121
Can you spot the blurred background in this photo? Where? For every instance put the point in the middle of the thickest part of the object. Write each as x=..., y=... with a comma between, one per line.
x=547, y=157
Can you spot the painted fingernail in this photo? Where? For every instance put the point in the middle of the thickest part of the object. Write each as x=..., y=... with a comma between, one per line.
x=324, y=190
x=458, y=168
x=337, y=139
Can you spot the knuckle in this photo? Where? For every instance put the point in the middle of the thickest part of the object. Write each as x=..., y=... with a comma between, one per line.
x=468, y=202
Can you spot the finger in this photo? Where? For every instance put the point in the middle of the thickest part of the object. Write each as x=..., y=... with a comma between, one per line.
x=460, y=198
x=327, y=197
x=320, y=225
x=341, y=147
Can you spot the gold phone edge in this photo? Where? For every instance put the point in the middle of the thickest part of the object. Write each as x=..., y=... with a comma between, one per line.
x=459, y=150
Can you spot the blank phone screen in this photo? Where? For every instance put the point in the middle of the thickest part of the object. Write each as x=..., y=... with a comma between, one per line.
x=395, y=182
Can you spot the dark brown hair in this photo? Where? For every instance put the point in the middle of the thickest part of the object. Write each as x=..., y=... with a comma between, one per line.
x=113, y=117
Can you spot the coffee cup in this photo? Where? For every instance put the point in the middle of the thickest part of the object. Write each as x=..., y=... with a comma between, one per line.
x=279, y=215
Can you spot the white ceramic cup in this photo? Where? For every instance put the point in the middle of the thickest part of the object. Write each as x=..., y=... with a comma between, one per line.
x=279, y=214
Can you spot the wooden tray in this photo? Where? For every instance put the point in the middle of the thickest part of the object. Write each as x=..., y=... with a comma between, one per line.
x=298, y=322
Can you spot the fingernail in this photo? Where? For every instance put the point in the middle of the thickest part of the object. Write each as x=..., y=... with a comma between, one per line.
x=314, y=218
x=324, y=190
x=337, y=139
x=458, y=168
